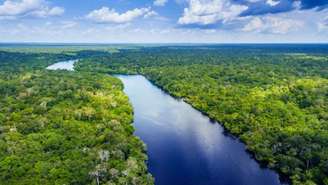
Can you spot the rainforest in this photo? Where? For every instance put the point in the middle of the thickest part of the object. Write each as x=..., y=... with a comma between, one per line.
x=65, y=128
x=76, y=127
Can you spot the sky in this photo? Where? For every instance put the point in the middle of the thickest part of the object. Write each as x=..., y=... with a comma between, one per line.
x=164, y=21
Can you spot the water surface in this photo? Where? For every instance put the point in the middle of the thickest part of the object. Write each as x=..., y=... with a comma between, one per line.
x=184, y=146
x=65, y=65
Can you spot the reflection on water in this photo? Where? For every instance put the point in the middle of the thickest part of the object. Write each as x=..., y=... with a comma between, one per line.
x=184, y=146
x=65, y=65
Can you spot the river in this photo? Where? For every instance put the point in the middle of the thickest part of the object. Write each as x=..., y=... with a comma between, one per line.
x=184, y=146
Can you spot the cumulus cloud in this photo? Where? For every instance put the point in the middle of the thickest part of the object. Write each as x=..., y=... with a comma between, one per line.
x=107, y=15
x=160, y=2
x=257, y=16
x=22, y=8
x=275, y=25
x=207, y=12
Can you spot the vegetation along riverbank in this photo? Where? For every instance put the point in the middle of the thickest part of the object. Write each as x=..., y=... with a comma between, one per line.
x=61, y=127
x=274, y=99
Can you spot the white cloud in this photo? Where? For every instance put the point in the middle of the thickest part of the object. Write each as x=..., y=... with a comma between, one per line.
x=323, y=25
x=206, y=12
x=274, y=25
x=160, y=2
x=253, y=25
x=151, y=14
x=12, y=8
x=36, y=8
x=106, y=15
x=272, y=2
x=46, y=12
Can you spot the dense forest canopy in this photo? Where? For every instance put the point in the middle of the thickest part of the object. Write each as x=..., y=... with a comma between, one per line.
x=274, y=97
x=60, y=127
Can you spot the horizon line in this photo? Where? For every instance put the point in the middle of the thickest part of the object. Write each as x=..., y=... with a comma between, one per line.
x=156, y=43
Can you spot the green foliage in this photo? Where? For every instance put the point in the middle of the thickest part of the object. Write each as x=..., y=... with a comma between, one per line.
x=276, y=102
x=60, y=127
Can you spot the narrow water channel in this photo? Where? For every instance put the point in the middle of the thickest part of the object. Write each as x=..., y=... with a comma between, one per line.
x=184, y=146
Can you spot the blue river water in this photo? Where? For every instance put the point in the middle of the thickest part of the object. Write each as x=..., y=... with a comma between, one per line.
x=184, y=146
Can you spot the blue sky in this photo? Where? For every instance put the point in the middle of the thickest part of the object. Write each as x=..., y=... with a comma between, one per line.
x=164, y=21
